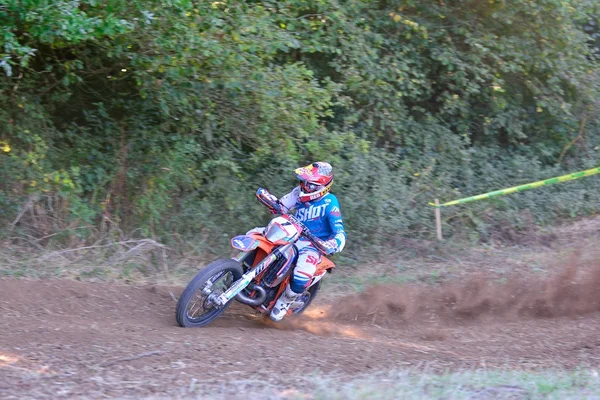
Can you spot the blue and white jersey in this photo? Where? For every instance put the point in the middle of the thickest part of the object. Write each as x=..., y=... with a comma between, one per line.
x=322, y=216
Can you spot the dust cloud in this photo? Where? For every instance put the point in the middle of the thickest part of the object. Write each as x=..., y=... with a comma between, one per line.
x=574, y=290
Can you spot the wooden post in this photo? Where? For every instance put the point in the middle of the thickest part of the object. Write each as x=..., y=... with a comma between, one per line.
x=438, y=220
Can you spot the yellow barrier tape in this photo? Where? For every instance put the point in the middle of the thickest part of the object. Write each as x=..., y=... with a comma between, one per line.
x=521, y=188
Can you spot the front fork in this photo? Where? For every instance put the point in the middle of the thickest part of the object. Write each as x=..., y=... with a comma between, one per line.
x=242, y=256
x=245, y=280
x=207, y=289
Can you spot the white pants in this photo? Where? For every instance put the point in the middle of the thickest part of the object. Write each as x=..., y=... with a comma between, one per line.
x=308, y=259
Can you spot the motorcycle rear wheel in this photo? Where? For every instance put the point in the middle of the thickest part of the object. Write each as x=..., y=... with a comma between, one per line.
x=194, y=308
x=310, y=295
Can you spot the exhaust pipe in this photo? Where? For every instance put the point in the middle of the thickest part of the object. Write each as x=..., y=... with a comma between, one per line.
x=261, y=296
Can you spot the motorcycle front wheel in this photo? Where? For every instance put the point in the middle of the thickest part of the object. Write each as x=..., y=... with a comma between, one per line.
x=195, y=307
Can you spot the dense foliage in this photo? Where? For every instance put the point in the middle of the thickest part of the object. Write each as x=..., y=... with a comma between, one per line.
x=163, y=116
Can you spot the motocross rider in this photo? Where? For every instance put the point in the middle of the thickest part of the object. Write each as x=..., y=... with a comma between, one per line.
x=319, y=210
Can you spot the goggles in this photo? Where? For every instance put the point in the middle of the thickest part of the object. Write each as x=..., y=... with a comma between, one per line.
x=309, y=187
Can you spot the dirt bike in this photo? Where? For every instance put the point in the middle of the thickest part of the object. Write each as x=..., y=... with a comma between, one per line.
x=258, y=275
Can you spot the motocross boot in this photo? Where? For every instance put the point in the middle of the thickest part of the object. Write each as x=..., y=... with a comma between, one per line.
x=283, y=304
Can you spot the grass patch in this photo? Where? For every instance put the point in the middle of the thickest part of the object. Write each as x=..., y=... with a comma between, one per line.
x=411, y=384
x=146, y=261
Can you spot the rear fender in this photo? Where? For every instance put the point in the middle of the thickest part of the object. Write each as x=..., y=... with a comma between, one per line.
x=326, y=265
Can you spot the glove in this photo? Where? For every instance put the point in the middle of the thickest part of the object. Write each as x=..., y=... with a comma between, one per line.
x=258, y=229
x=332, y=246
x=269, y=200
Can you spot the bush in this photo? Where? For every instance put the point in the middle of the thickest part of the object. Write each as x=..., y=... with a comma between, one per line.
x=162, y=118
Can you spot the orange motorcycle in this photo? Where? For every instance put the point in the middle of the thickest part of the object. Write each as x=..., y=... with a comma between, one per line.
x=258, y=275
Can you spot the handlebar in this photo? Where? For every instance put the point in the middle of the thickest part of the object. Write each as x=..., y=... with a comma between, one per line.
x=273, y=203
x=320, y=244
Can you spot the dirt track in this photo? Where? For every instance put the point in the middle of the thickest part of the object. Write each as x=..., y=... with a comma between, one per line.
x=69, y=339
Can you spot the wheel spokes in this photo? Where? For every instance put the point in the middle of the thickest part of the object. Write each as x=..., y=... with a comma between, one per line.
x=201, y=304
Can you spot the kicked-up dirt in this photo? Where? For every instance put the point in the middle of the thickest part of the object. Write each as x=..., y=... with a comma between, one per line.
x=68, y=339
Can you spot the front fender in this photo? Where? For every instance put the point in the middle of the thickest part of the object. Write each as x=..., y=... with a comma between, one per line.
x=251, y=242
x=244, y=243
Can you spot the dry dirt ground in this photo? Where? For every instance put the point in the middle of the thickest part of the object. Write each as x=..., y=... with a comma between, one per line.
x=69, y=339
